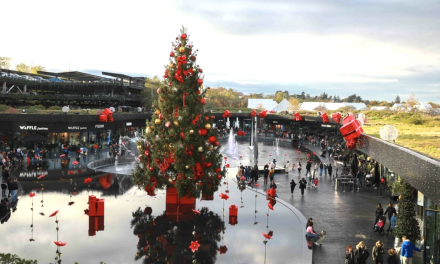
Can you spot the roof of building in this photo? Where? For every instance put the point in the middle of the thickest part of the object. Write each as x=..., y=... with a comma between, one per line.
x=378, y=108
x=266, y=104
x=73, y=75
x=122, y=76
x=425, y=106
x=311, y=106
x=282, y=106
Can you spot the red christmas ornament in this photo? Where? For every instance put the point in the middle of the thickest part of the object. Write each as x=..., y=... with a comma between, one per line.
x=207, y=165
x=200, y=70
x=199, y=81
x=151, y=168
x=203, y=101
x=158, y=90
x=194, y=246
x=168, y=124
x=171, y=54
x=216, y=144
x=202, y=132
x=219, y=176
x=212, y=140
x=160, y=116
x=212, y=117
x=183, y=36
x=182, y=135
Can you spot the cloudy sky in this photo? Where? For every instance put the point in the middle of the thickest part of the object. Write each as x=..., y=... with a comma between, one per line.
x=377, y=49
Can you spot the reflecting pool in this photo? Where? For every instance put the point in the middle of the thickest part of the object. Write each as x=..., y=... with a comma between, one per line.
x=131, y=226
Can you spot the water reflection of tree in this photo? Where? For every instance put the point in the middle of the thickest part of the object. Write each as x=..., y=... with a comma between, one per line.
x=163, y=241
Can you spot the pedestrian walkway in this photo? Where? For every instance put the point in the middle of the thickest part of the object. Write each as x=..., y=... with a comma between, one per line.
x=348, y=217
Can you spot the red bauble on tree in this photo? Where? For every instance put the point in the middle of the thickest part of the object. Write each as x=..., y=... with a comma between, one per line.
x=199, y=81
x=212, y=140
x=202, y=132
x=172, y=54
x=183, y=36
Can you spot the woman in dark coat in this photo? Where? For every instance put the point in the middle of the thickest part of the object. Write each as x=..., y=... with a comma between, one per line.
x=292, y=186
x=361, y=253
x=379, y=213
x=302, y=185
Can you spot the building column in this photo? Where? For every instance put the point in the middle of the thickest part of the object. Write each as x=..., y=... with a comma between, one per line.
x=25, y=88
x=4, y=87
x=112, y=90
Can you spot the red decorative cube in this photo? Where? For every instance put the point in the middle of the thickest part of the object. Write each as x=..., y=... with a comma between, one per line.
x=347, y=119
x=324, y=117
x=233, y=220
x=351, y=130
x=233, y=210
x=102, y=118
x=297, y=118
x=179, y=208
x=336, y=117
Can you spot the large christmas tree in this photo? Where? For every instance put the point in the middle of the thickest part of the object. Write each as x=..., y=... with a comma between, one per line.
x=181, y=148
x=406, y=223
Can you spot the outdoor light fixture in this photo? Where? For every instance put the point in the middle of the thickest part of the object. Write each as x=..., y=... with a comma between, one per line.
x=24, y=111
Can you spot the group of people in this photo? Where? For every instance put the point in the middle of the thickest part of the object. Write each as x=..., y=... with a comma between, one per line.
x=361, y=253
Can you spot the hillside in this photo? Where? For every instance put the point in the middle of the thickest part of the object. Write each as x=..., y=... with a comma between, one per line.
x=418, y=132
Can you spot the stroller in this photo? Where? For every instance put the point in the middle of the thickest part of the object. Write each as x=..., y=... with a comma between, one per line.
x=378, y=227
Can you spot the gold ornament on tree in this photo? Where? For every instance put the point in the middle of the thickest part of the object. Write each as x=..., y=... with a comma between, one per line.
x=208, y=126
x=186, y=166
x=200, y=149
x=176, y=124
x=191, y=132
x=157, y=121
x=182, y=49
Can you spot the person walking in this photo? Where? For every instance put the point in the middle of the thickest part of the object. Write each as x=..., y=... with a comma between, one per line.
x=330, y=169
x=379, y=213
x=4, y=188
x=392, y=257
x=302, y=185
x=321, y=169
x=390, y=210
x=308, y=166
x=266, y=172
x=292, y=186
x=271, y=174
x=349, y=255
x=406, y=251
x=361, y=253
x=13, y=189
x=393, y=221
x=299, y=168
x=287, y=168
x=359, y=179
x=325, y=169
x=377, y=253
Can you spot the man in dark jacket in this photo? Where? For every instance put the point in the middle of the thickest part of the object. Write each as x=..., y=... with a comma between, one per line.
x=308, y=167
x=266, y=173
x=302, y=185
x=13, y=189
x=390, y=210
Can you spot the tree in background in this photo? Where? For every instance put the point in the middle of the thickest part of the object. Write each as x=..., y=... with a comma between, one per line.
x=22, y=67
x=5, y=63
x=407, y=224
x=412, y=100
x=295, y=103
x=397, y=100
x=280, y=96
x=181, y=148
x=36, y=68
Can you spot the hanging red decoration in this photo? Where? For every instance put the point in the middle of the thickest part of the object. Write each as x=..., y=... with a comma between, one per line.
x=224, y=196
x=324, y=117
x=71, y=172
x=195, y=211
x=87, y=180
x=60, y=244
x=267, y=236
x=172, y=54
x=41, y=176
x=297, y=117
x=203, y=101
x=183, y=36
x=270, y=206
x=194, y=245
x=202, y=132
x=94, y=146
x=54, y=213
x=227, y=165
x=337, y=117
x=226, y=113
x=200, y=81
x=262, y=114
x=222, y=249
x=75, y=162
x=253, y=113
x=32, y=194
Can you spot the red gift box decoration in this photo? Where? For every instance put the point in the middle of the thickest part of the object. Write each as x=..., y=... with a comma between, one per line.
x=347, y=119
x=351, y=130
x=336, y=117
x=179, y=208
x=102, y=118
x=297, y=117
x=233, y=210
x=233, y=220
x=324, y=117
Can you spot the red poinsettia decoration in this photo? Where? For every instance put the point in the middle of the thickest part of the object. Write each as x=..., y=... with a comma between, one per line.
x=224, y=196
x=222, y=249
x=227, y=165
x=86, y=212
x=71, y=172
x=95, y=146
x=88, y=180
x=195, y=211
x=62, y=155
x=41, y=176
x=194, y=245
x=32, y=194
x=54, y=213
x=269, y=235
x=75, y=162
x=31, y=239
x=60, y=244
x=70, y=203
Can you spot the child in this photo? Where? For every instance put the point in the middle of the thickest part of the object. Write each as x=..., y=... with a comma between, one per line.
x=4, y=187
x=393, y=222
x=316, y=182
x=379, y=225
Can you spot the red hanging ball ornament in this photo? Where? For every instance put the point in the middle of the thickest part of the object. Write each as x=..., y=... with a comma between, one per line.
x=182, y=135
x=212, y=140
x=206, y=118
x=217, y=144
x=183, y=36
x=160, y=116
x=151, y=168
x=202, y=132
x=203, y=101
x=212, y=117
x=199, y=81
x=171, y=54
x=158, y=91
x=219, y=176
x=175, y=48
x=193, y=58
x=200, y=70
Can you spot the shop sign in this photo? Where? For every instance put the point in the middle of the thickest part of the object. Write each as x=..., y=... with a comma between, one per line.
x=420, y=198
x=326, y=125
x=33, y=128
x=128, y=124
x=32, y=174
x=275, y=122
x=76, y=128
x=99, y=126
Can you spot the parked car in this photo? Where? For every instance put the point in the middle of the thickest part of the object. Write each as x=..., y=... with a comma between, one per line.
x=40, y=79
x=55, y=79
x=124, y=108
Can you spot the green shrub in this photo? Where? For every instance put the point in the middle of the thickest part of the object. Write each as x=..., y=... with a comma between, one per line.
x=31, y=110
x=54, y=108
x=40, y=107
x=3, y=108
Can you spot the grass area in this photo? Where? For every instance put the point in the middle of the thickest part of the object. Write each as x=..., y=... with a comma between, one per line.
x=418, y=132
